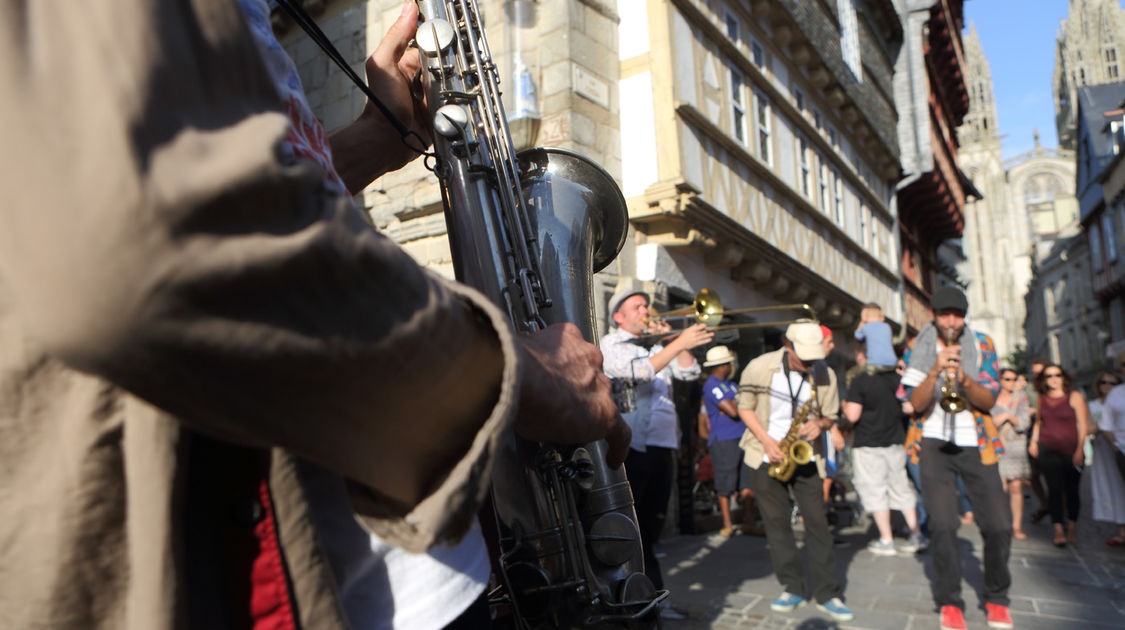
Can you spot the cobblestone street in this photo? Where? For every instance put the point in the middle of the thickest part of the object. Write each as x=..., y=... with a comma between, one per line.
x=727, y=583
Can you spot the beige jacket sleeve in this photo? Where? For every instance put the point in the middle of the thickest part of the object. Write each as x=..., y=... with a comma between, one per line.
x=152, y=237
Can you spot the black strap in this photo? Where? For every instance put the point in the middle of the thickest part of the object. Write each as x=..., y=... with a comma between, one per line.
x=305, y=21
x=792, y=396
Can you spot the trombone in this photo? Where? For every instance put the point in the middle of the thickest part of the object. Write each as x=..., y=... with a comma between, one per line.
x=708, y=309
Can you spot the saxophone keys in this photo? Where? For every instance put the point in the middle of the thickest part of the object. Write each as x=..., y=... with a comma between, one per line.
x=450, y=120
x=434, y=36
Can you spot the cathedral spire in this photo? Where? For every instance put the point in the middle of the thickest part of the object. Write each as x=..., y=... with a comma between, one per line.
x=1089, y=42
x=980, y=122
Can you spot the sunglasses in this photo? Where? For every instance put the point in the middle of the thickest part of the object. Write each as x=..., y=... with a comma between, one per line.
x=1108, y=383
x=1008, y=378
x=1053, y=375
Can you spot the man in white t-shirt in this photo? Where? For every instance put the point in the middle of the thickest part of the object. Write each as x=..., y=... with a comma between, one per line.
x=772, y=390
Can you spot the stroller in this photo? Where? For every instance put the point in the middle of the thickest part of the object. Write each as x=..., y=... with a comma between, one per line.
x=703, y=495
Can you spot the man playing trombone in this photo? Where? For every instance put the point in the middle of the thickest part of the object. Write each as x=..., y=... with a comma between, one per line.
x=775, y=390
x=653, y=421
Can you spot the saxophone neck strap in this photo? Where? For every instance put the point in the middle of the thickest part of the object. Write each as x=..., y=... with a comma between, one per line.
x=793, y=396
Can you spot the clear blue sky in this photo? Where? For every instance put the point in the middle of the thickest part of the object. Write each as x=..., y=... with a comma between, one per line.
x=1018, y=37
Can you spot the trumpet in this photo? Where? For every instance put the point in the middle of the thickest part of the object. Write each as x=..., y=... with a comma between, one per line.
x=708, y=309
x=951, y=401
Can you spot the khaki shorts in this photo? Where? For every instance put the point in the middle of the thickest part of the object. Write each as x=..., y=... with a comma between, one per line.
x=879, y=475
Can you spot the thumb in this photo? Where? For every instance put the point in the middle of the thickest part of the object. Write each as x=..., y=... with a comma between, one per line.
x=394, y=43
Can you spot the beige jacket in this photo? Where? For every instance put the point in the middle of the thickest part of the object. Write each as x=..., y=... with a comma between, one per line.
x=754, y=394
x=162, y=277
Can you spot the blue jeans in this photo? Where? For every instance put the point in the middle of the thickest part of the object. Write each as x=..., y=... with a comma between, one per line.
x=915, y=473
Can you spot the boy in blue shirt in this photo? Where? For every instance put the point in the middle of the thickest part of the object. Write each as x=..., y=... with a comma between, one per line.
x=876, y=333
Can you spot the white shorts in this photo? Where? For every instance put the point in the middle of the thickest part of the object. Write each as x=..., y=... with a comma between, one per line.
x=879, y=475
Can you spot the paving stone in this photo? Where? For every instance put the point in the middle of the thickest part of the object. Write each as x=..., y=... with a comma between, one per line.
x=729, y=584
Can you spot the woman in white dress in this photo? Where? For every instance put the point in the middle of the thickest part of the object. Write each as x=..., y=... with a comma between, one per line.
x=1107, y=487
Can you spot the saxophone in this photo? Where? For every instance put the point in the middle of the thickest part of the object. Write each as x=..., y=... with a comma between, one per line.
x=528, y=230
x=797, y=452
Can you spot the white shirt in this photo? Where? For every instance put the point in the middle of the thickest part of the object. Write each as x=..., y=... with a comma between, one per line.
x=381, y=586
x=781, y=403
x=936, y=425
x=1113, y=416
x=654, y=422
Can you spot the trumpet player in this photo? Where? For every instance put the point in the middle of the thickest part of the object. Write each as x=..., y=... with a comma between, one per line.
x=772, y=390
x=654, y=425
x=952, y=378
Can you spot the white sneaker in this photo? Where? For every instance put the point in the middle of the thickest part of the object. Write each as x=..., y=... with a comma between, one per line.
x=914, y=544
x=882, y=547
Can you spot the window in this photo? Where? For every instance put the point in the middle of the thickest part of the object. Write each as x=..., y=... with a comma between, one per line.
x=757, y=54
x=849, y=37
x=833, y=139
x=863, y=236
x=1096, y=246
x=838, y=202
x=1110, y=237
x=765, y=142
x=823, y=180
x=732, y=25
x=876, y=250
x=806, y=168
x=818, y=122
x=738, y=107
x=798, y=98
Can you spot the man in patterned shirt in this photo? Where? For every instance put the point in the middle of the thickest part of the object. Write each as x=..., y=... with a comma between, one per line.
x=964, y=443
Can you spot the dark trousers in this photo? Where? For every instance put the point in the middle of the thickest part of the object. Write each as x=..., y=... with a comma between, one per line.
x=1062, y=484
x=775, y=508
x=990, y=509
x=1120, y=457
x=650, y=476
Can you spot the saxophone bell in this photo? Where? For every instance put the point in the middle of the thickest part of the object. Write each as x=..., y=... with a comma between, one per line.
x=801, y=452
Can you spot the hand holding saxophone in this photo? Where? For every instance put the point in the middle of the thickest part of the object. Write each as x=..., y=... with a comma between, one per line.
x=811, y=430
x=369, y=146
x=773, y=451
x=565, y=397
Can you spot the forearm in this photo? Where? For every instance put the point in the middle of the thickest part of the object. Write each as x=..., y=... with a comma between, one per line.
x=922, y=396
x=230, y=289
x=357, y=159
x=354, y=158
x=980, y=396
x=661, y=359
x=750, y=419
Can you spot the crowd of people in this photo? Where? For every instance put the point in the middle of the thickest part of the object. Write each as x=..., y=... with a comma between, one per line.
x=942, y=435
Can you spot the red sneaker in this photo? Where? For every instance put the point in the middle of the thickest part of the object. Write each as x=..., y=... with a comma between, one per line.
x=998, y=616
x=952, y=618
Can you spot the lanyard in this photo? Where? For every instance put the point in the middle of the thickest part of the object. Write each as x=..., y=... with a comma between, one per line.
x=788, y=383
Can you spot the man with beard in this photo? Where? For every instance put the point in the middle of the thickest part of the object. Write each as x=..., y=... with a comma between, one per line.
x=948, y=355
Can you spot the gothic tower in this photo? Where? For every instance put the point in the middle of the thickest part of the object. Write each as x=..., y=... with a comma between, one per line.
x=1090, y=40
x=980, y=122
x=995, y=242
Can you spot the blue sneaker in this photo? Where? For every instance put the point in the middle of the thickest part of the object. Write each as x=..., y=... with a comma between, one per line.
x=837, y=609
x=787, y=602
